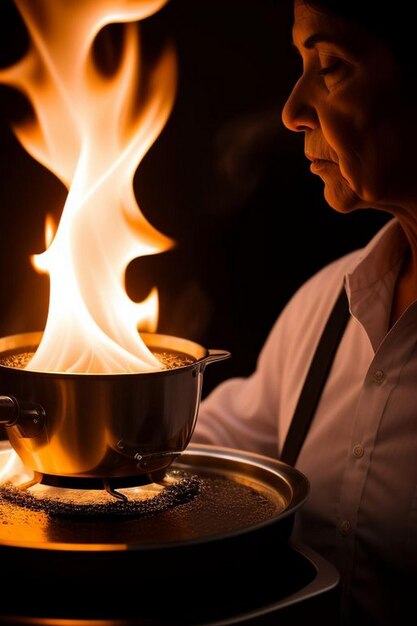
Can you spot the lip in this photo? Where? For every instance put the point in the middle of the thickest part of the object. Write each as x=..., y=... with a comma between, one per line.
x=317, y=163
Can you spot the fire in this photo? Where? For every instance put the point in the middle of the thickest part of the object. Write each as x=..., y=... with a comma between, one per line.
x=50, y=230
x=92, y=130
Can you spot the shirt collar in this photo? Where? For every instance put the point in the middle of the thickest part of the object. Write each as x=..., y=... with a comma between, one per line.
x=382, y=254
x=370, y=281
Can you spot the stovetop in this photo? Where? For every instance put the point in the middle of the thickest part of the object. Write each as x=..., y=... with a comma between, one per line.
x=224, y=557
x=233, y=494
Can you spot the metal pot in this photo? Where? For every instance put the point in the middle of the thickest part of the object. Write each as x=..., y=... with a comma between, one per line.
x=102, y=425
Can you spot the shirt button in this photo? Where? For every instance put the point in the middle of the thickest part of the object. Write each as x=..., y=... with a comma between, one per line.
x=379, y=376
x=358, y=451
x=344, y=527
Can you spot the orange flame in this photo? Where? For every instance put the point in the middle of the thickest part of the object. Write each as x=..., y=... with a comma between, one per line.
x=92, y=131
x=50, y=230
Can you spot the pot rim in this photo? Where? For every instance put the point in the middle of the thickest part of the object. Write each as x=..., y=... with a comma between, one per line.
x=30, y=340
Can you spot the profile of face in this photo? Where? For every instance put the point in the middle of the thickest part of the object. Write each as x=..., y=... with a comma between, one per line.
x=351, y=103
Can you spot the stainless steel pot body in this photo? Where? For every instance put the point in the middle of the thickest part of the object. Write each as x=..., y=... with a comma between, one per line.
x=102, y=425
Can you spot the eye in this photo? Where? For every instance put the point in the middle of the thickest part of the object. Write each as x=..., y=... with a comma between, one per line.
x=333, y=69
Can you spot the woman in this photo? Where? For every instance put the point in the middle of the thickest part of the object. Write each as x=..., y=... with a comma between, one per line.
x=355, y=103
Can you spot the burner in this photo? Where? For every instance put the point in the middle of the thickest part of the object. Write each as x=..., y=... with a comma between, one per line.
x=204, y=494
x=67, y=498
x=109, y=484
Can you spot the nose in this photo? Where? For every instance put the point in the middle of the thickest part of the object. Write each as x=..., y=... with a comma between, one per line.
x=299, y=113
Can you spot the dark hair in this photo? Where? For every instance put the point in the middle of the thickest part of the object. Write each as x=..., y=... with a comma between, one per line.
x=380, y=18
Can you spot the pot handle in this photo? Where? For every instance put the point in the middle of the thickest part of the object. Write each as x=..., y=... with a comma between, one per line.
x=216, y=355
x=9, y=410
x=29, y=418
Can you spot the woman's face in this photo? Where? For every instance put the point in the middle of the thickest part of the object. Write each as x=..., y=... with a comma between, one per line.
x=350, y=102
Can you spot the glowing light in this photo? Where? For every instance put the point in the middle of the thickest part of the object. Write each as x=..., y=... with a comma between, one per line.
x=92, y=130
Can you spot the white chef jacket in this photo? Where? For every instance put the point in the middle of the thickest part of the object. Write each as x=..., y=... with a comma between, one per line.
x=360, y=454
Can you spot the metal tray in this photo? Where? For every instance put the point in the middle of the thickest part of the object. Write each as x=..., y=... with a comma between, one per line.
x=248, y=494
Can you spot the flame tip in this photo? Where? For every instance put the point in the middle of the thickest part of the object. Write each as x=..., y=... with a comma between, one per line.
x=92, y=133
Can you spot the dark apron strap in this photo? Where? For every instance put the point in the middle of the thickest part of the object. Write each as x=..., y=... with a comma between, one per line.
x=316, y=379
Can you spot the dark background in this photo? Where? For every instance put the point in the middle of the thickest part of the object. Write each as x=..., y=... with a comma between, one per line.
x=225, y=180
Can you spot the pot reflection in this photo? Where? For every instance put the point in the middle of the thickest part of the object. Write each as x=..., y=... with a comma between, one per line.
x=102, y=425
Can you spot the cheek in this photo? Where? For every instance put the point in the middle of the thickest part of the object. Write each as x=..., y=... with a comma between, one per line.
x=348, y=148
x=375, y=146
x=379, y=169
x=365, y=163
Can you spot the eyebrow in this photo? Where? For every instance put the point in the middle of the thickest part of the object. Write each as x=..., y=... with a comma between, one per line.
x=316, y=38
x=312, y=40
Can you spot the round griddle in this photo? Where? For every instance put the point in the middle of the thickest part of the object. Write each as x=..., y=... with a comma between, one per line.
x=162, y=568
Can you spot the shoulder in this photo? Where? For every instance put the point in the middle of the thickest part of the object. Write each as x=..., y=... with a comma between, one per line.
x=321, y=290
x=304, y=317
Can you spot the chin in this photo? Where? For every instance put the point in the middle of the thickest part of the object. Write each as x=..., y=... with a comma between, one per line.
x=341, y=197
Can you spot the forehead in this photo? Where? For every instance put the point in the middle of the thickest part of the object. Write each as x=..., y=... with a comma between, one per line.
x=309, y=21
